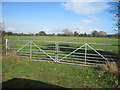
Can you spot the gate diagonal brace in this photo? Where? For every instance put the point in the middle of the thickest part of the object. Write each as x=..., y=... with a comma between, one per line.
x=72, y=52
x=85, y=55
x=97, y=52
x=22, y=47
x=43, y=51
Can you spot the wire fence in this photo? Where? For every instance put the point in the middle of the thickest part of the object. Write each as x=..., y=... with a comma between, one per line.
x=76, y=53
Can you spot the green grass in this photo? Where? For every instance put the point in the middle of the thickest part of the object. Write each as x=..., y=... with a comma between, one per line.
x=68, y=39
x=68, y=76
x=101, y=40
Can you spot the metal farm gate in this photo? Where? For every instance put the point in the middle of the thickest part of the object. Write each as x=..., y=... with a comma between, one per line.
x=75, y=53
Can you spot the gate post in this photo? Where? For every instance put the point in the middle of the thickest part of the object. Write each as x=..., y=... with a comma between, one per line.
x=6, y=45
x=85, y=52
x=30, y=49
x=56, y=52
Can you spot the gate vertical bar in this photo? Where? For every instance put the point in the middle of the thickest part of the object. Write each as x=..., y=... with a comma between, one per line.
x=85, y=52
x=6, y=45
x=56, y=53
x=30, y=49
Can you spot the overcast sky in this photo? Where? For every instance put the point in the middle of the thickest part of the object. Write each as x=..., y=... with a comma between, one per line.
x=53, y=17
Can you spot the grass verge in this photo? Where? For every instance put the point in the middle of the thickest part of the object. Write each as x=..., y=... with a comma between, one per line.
x=68, y=76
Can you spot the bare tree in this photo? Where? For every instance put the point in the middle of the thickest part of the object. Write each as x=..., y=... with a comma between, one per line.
x=116, y=11
x=67, y=32
x=102, y=33
x=94, y=33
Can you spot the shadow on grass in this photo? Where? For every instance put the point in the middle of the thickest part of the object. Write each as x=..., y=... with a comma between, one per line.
x=104, y=53
x=26, y=83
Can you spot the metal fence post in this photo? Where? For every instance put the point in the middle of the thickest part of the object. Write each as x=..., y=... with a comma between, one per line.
x=85, y=52
x=30, y=49
x=6, y=45
x=56, y=52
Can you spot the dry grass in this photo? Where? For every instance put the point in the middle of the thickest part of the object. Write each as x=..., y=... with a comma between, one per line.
x=111, y=67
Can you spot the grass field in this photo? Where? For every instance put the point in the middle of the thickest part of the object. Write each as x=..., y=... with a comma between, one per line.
x=101, y=40
x=24, y=73
x=68, y=39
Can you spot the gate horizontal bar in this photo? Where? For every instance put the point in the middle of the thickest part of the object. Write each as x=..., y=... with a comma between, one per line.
x=74, y=64
x=71, y=55
x=89, y=55
x=77, y=62
x=41, y=58
x=87, y=49
x=23, y=54
x=84, y=56
x=41, y=55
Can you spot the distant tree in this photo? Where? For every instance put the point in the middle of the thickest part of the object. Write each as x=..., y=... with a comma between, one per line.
x=85, y=34
x=22, y=33
x=102, y=34
x=94, y=33
x=15, y=34
x=32, y=34
x=59, y=34
x=53, y=34
x=89, y=35
x=9, y=33
x=42, y=33
x=76, y=33
x=36, y=34
x=81, y=35
x=67, y=32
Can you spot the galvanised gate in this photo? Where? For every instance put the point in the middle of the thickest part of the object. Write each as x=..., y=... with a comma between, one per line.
x=75, y=53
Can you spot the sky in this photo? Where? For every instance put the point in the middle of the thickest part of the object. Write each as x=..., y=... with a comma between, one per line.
x=53, y=17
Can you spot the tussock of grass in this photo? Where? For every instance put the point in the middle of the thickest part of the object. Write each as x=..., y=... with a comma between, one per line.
x=68, y=76
x=111, y=67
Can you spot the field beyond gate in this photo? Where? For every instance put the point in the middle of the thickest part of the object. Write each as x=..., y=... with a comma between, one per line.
x=87, y=51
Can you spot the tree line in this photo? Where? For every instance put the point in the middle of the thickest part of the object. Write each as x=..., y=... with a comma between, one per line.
x=66, y=32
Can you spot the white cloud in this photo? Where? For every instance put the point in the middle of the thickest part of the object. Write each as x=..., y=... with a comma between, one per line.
x=10, y=28
x=86, y=21
x=85, y=7
x=35, y=27
x=94, y=18
x=28, y=26
x=22, y=26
